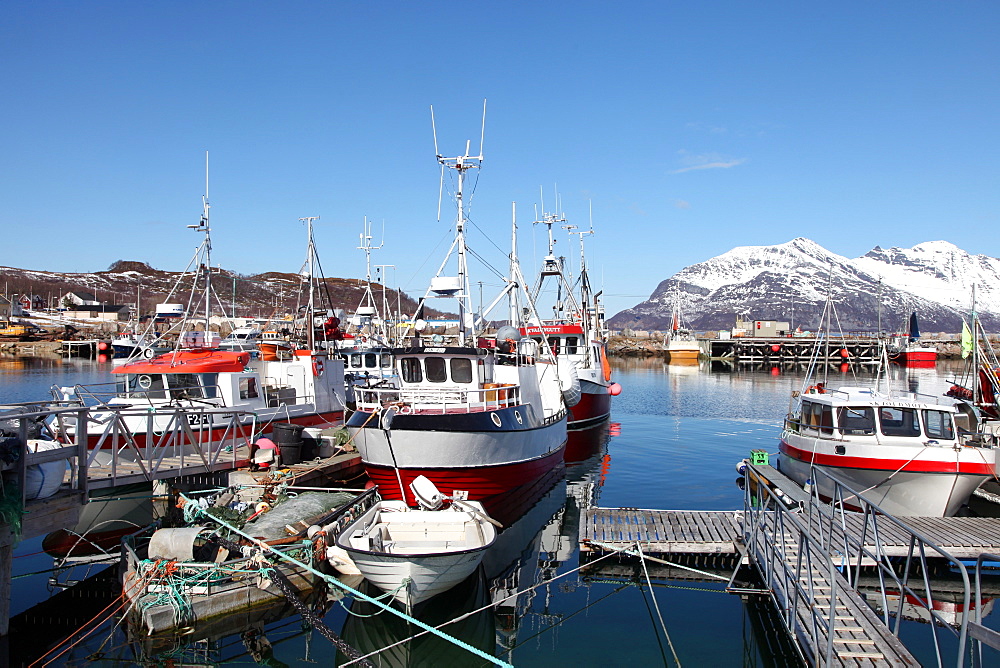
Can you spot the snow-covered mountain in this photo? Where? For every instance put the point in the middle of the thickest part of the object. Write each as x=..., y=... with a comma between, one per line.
x=791, y=282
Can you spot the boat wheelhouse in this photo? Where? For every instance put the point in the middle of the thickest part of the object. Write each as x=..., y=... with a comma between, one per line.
x=910, y=454
x=307, y=389
x=569, y=343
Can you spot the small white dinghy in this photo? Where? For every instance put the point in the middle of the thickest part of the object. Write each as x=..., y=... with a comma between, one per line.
x=417, y=554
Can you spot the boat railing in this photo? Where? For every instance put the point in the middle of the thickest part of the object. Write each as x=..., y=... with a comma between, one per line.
x=422, y=399
x=130, y=443
x=809, y=550
x=31, y=420
x=96, y=397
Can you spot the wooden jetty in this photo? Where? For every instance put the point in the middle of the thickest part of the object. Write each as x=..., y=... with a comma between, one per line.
x=813, y=561
x=796, y=350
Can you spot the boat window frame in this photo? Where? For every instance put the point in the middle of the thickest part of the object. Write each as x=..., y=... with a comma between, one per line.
x=949, y=434
x=868, y=415
x=371, y=360
x=432, y=372
x=571, y=345
x=893, y=430
x=455, y=365
x=410, y=370
x=185, y=385
x=250, y=389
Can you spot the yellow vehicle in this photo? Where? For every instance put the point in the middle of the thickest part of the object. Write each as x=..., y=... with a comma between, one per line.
x=16, y=329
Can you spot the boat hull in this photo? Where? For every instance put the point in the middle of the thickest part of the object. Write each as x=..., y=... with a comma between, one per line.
x=901, y=481
x=428, y=575
x=594, y=406
x=476, y=456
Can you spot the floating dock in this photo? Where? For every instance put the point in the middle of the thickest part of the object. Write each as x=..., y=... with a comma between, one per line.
x=834, y=577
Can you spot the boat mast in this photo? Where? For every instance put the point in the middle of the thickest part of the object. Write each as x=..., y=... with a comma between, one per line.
x=206, y=252
x=310, y=268
x=461, y=165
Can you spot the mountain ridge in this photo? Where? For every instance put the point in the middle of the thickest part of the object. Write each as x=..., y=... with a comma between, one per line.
x=791, y=282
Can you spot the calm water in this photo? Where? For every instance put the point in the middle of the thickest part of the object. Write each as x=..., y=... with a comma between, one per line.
x=676, y=435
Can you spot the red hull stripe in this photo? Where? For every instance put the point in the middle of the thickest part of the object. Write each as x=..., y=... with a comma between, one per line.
x=332, y=419
x=479, y=482
x=875, y=464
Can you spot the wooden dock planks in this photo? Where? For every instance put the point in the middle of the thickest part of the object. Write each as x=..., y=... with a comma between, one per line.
x=715, y=531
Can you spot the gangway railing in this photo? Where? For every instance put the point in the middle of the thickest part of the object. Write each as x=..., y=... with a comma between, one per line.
x=132, y=443
x=30, y=418
x=831, y=535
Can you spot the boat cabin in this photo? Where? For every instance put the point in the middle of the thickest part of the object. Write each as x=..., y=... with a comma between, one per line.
x=855, y=414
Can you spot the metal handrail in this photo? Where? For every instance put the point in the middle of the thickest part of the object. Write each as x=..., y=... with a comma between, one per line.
x=440, y=400
x=826, y=528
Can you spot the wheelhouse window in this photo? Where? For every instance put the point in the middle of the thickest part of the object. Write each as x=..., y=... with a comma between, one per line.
x=184, y=386
x=210, y=385
x=248, y=387
x=899, y=421
x=371, y=361
x=409, y=369
x=817, y=416
x=386, y=361
x=435, y=369
x=143, y=386
x=571, y=344
x=856, y=420
x=939, y=424
x=356, y=361
x=461, y=370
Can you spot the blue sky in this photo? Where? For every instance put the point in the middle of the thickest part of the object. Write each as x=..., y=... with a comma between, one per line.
x=691, y=128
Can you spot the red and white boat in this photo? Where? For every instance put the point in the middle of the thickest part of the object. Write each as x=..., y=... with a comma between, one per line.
x=902, y=451
x=218, y=391
x=469, y=413
x=907, y=349
x=576, y=333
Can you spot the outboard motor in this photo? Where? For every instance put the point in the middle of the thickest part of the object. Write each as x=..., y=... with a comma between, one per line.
x=426, y=493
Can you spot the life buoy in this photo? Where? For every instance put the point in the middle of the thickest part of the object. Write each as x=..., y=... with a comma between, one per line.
x=317, y=366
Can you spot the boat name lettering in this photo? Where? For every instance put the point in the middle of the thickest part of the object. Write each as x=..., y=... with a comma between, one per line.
x=433, y=350
x=198, y=418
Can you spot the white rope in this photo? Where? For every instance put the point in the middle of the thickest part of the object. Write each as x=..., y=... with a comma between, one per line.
x=487, y=607
x=656, y=605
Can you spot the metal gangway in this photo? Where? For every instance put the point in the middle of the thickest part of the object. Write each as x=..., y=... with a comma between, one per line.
x=815, y=557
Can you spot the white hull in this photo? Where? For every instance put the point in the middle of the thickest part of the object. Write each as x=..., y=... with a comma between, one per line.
x=416, y=554
x=902, y=480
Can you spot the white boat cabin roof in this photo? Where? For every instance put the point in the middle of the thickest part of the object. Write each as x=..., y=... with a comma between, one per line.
x=866, y=396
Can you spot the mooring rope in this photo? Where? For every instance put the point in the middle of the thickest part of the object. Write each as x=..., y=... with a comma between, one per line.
x=331, y=579
x=490, y=605
x=656, y=605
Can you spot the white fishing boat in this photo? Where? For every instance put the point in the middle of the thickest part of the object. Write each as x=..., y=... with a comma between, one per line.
x=241, y=339
x=475, y=413
x=417, y=554
x=304, y=387
x=909, y=453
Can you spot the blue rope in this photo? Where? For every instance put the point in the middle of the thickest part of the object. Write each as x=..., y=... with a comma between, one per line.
x=334, y=581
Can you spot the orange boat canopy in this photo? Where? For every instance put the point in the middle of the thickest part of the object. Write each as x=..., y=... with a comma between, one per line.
x=189, y=361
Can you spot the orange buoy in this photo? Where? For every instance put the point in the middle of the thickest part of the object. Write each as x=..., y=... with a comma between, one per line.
x=844, y=352
x=775, y=371
x=614, y=389
x=775, y=348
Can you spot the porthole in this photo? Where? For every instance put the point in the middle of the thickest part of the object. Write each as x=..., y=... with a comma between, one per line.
x=496, y=419
x=517, y=416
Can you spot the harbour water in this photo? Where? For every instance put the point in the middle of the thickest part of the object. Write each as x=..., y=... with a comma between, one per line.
x=674, y=439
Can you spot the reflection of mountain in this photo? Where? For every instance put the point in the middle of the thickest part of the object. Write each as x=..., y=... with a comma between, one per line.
x=366, y=631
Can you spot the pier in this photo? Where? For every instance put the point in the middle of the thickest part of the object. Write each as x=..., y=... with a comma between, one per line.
x=839, y=581
x=795, y=350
